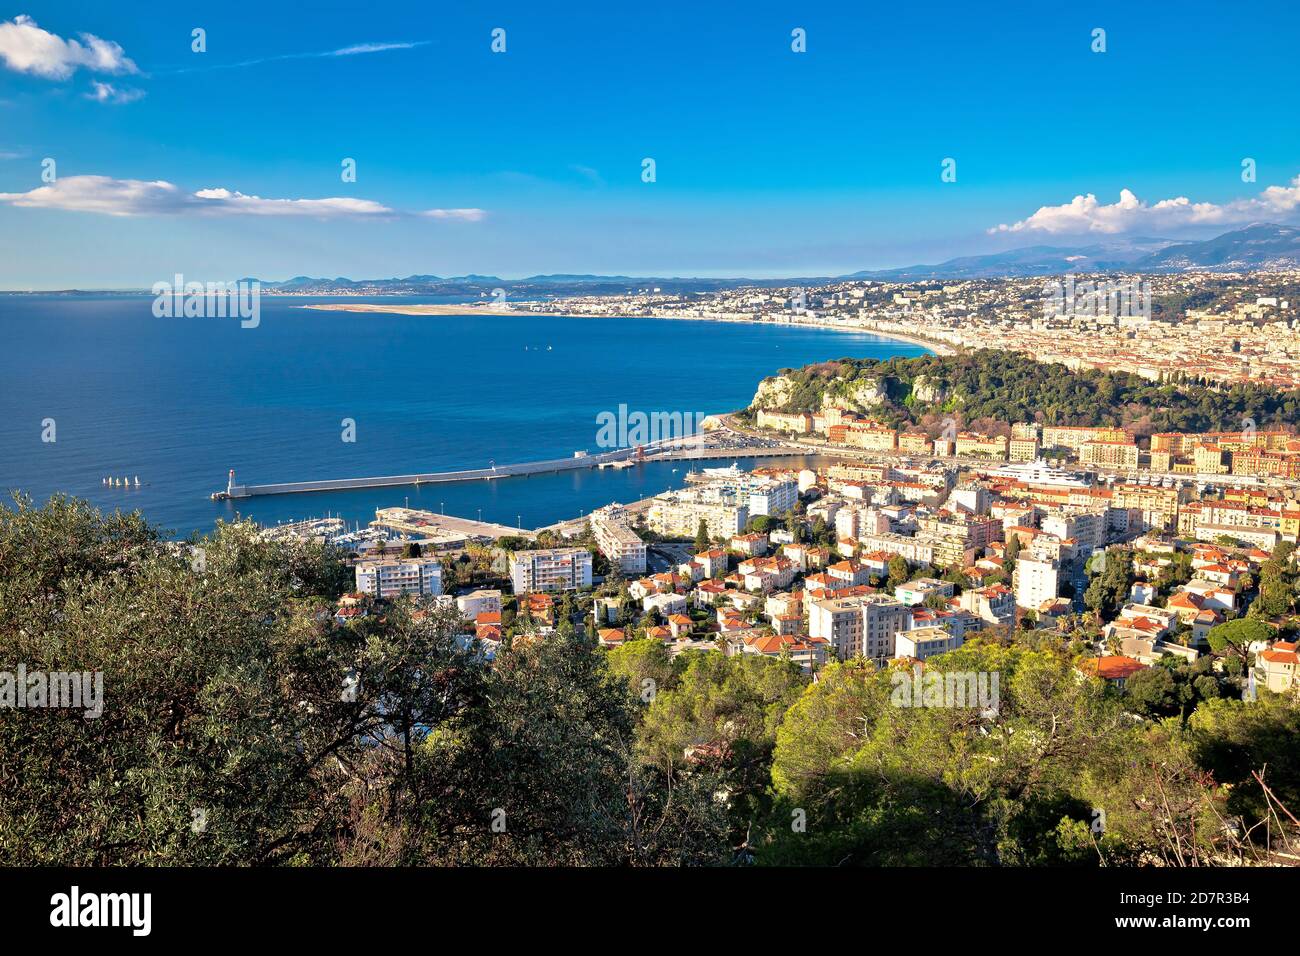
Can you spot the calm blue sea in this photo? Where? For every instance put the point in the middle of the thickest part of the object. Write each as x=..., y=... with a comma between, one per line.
x=179, y=401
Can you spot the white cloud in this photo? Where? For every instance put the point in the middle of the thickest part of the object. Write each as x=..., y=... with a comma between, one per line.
x=224, y=200
x=137, y=197
x=26, y=48
x=463, y=215
x=1084, y=214
x=108, y=93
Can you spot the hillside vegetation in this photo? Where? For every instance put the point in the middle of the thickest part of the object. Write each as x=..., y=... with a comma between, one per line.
x=242, y=724
x=991, y=387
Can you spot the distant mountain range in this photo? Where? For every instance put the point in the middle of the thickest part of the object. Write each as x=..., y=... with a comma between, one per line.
x=1260, y=246
x=533, y=286
x=1257, y=247
x=1118, y=254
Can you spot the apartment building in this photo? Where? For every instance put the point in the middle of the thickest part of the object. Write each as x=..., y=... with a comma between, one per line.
x=677, y=514
x=1087, y=528
x=395, y=576
x=801, y=423
x=862, y=625
x=980, y=445
x=1036, y=580
x=612, y=528
x=995, y=604
x=915, y=592
x=1122, y=455
x=483, y=601
x=976, y=531
x=866, y=435
x=1074, y=438
x=921, y=643
x=1157, y=505
x=552, y=569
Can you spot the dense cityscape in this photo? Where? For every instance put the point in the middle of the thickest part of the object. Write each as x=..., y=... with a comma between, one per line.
x=504, y=453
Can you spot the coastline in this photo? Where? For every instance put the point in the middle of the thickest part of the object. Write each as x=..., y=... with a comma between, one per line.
x=938, y=348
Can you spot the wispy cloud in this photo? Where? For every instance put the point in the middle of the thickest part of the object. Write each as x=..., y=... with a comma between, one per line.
x=108, y=93
x=463, y=215
x=26, y=48
x=357, y=49
x=137, y=197
x=590, y=175
x=1085, y=214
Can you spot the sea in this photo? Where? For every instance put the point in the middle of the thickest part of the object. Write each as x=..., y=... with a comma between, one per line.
x=97, y=386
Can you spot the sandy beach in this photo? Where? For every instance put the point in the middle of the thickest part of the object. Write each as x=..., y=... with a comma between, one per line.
x=471, y=308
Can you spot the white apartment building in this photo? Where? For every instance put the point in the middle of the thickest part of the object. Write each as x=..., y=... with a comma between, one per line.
x=772, y=496
x=612, y=528
x=483, y=601
x=924, y=642
x=1087, y=528
x=864, y=626
x=915, y=592
x=554, y=569
x=678, y=515
x=1036, y=580
x=392, y=577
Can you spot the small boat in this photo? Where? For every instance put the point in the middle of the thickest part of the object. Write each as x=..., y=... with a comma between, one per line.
x=137, y=481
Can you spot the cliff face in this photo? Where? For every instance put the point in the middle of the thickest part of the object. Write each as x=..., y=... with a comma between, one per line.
x=773, y=393
x=782, y=392
x=924, y=390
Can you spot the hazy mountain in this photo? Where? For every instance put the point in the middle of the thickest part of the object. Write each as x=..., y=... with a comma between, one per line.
x=1029, y=261
x=1261, y=246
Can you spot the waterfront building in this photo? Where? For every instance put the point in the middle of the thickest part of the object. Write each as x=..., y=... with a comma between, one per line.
x=1109, y=454
x=553, y=569
x=612, y=528
x=677, y=514
x=389, y=578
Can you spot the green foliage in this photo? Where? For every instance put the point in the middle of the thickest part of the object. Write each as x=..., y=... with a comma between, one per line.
x=1234, y=637
x=725, y=712
x=1007, y=387
x=1108, y=590
x=234, y=698
x=241, y=725
x=702, y=536
x=1276, y=584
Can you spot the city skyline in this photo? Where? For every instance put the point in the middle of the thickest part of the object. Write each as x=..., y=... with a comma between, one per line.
x=230, y=162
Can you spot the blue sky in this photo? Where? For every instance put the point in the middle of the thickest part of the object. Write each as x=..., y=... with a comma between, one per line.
x=768, y=162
